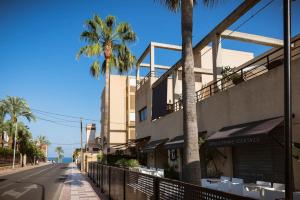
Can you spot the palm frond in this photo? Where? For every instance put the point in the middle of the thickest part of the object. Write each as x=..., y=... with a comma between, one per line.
x=125, y=58
x=110, y=21
x=90, y=50
x=211, y=3
x=95, y=69
x=125, y=33
x=89, y=37
x=173, y=5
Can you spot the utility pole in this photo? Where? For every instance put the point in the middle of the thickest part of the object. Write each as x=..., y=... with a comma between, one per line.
x=81, y=150
x=289, y=183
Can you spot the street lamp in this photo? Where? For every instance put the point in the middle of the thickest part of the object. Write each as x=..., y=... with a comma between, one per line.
x=289, y=183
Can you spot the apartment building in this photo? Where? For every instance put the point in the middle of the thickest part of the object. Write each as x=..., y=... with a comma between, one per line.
x=239, y=115
x=121, y=111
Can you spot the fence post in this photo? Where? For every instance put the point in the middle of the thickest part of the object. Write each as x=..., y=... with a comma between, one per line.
x=156, y=188
x=101, y=180
x=210, y=90
x=124, y=184
x=109, y=182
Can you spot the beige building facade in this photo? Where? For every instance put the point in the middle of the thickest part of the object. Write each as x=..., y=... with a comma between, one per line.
x=253, y=106
x=121, y=110
x=239, y=114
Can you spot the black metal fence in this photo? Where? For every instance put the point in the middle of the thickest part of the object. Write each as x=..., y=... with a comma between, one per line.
x=121, y=184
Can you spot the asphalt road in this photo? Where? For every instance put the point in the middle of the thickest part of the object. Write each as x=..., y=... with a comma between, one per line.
x=41, y=183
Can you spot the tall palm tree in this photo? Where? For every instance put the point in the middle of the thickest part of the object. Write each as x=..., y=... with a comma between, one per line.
x=24, y=136
x=107, y=38
x=191, y=158
x=60, y=153
x=16, y=107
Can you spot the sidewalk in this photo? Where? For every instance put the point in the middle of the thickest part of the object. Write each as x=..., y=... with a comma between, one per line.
x=9, y=170
x=77, y=187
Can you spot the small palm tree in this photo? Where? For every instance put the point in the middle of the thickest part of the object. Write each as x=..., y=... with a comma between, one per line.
x=43, y=141
x=105, y=37
x=60, y=153
x=16, y=107
x=191, y=158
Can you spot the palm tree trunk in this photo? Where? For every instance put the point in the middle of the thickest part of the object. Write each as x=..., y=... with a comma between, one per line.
x=191, y=158
x=106, y=107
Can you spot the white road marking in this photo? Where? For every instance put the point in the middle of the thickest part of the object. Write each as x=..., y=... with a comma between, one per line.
x=4, y=186
x=16, y=194
x=36, y=173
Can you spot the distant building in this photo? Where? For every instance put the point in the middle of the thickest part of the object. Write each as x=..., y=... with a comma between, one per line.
x=121, y=110
x=92, y=143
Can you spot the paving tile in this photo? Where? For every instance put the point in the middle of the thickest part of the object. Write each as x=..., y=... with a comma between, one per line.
x=80, y=189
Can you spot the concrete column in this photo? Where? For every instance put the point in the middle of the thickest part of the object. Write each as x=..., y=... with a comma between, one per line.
x=152, y=68
x=217, y=57
x=137, y=74
x=174, y=80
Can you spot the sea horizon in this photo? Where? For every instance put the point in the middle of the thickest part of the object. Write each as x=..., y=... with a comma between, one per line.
x=65, y=159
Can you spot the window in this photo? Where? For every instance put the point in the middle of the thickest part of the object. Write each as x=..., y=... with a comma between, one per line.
x=143, y=114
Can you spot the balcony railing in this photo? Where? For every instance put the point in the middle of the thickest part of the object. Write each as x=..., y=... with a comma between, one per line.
x=145, y=79
x=119, y=183
x=248, y=72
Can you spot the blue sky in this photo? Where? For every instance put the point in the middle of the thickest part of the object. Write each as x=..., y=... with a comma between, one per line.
x=40, y=38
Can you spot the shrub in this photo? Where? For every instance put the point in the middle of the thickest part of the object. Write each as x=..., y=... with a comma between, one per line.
x=171, y=173
x=7, y=152
x=123, y=162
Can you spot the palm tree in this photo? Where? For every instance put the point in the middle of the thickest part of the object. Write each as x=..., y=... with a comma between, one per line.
x=191, y=158
x=60, y=153
x=43, y=141
x=16, y=107
x=24, y=136
x=105, y=37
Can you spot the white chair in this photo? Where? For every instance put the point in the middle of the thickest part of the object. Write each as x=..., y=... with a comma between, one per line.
x=252, y=194
x=237, y=180
x=213, y=186
x=204, y=182
x=263, y=183
x=272, y=194
x=278, y=186
x=296, y=195
x=225, y=178
x=237, y=188
x=224, y=186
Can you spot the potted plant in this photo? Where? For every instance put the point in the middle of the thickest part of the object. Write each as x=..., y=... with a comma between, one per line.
x=228, y=74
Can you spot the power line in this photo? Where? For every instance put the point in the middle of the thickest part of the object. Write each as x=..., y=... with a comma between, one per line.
x=47, y=115
x=58, y=123
x=243, y=23
x=64, y=115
